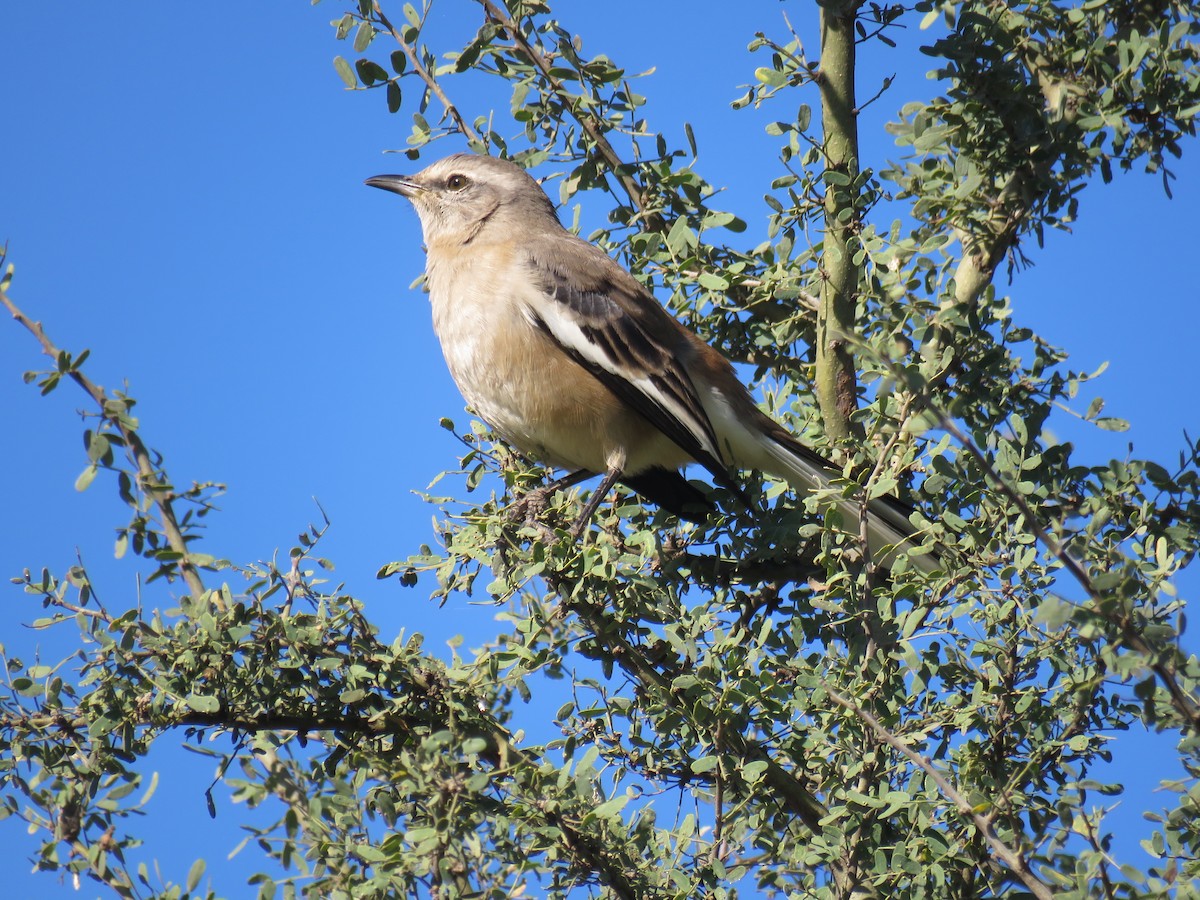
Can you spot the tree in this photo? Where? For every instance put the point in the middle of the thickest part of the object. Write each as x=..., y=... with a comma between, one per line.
x=832, y=729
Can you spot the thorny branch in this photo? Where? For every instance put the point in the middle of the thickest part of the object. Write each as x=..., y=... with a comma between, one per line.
x=501, y=754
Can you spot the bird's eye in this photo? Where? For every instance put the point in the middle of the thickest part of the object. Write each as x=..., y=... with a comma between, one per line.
x=457, y=182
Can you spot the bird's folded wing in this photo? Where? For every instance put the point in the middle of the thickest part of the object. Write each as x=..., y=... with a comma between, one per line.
x=601, y=317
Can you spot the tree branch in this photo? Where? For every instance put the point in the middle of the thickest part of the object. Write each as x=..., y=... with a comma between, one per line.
x=1010, y=857
x=985, y=247
x=614, y=868
x=786, y=786
x=1184, y=704
x=836, y=383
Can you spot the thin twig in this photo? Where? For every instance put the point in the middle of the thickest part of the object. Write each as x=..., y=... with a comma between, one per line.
x=718, y=795
x=1110, y=890
x=501, y=17
x=426, y=76
x=716, y=570
x=136, y=449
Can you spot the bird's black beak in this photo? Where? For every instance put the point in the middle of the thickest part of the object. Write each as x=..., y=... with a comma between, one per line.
x=397, y=184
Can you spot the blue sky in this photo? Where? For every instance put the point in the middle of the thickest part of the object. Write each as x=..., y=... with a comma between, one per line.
x=182, y=194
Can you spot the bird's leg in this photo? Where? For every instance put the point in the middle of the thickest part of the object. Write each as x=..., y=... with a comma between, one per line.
x=589, y=509
x=530, y=504
x=569, y=480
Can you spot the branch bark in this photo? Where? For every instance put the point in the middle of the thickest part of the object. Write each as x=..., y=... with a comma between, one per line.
x=985, y=247
x=836, y=379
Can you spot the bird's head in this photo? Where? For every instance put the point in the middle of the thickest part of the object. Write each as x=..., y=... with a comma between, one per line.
x=464, y=196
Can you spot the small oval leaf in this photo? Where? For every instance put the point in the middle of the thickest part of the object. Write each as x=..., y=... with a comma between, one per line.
x=345, y=70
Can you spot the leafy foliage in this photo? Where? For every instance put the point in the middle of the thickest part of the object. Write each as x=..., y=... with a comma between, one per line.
x=752, y=704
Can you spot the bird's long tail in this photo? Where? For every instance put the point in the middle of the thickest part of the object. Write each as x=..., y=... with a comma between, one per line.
x=772, y=449
x=889, y=531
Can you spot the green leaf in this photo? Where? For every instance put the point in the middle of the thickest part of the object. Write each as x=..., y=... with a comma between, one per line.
x=680, y=237
x=885, y=486
x=202, y=703
x=713, y=282
x=195, y=873
x=370, y=72
x=363, y=37
x=770, y=77
x=85, y=477
x=474, y=746
x=610, y=808
x=753, y=772
x=98, y=447
x=1110, y=423
x=345, y=70
x=705, y=764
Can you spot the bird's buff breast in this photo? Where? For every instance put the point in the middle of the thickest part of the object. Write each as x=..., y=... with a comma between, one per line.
x=511, y=374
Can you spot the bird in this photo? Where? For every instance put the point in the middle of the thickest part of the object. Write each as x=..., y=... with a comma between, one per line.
x=571, y=360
